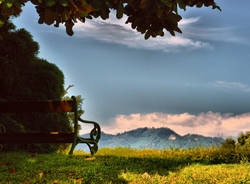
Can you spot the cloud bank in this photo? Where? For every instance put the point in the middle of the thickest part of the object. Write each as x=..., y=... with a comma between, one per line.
x=208, y=124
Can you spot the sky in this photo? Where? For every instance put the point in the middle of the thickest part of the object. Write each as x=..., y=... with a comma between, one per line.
x=196, y=82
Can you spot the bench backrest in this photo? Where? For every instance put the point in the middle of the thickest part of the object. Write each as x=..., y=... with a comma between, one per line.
x=38, y=106
x=43, y=106
x=57, y=137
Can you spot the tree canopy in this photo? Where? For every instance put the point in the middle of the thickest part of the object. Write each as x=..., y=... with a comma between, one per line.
x=149, y=17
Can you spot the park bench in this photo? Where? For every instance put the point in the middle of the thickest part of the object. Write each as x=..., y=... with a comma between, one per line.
x=50, y=137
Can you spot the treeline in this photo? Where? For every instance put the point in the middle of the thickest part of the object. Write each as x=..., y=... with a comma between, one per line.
x=25, y=76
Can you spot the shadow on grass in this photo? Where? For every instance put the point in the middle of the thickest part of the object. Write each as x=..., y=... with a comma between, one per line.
x=110, y=168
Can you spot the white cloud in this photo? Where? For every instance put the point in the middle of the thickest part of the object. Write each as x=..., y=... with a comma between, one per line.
x=208, y=124
x=231, y=85
x=116, y=31
x=218, y=34
x=191, y=20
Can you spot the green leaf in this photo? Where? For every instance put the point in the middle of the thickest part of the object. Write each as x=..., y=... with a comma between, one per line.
x=64, y=3
x=108, y=4
x=84, y=3
x=9, y=5
x=217, y=7
x=167, y=3
x=40, y=21
x=1, y=23
x=199, y=4
x=175, y=8
x=147, y=35
x=182, y=6
x=49, y=17
x=50, y=3
x=83, y=14
x=69, y=25
x=120, y=11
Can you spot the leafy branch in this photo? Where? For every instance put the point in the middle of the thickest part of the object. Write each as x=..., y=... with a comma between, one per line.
x=149, y=17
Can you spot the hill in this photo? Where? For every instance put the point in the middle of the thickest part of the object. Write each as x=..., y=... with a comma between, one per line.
x=155, y=138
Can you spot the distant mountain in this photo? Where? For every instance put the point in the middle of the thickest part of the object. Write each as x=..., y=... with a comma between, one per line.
x=156, y=138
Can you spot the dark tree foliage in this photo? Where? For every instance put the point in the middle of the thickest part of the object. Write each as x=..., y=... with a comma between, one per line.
x=24, y=76
x=149, y=17
x=243, y=138
x=229, y=143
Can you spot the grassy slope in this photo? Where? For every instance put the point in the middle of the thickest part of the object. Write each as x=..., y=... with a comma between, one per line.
x=117, y=166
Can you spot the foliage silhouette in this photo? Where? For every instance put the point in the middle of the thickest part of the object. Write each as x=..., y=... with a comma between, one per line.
x=24, y=76
x=149, y=17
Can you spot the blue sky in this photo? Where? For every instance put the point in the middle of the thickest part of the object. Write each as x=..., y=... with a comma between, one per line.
x=196, y=82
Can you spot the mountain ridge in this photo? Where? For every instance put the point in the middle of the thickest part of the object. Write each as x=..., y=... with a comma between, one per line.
x=154, y=138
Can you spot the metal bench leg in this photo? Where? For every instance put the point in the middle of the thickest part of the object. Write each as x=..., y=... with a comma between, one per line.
x=72, y=148
x=75, y=141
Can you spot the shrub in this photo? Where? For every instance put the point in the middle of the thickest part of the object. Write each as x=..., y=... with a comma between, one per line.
x=25, y=76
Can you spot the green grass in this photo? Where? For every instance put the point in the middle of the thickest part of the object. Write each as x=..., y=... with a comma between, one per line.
x=121, y=165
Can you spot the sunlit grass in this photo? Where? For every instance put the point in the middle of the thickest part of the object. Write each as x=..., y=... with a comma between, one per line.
x=205, y=174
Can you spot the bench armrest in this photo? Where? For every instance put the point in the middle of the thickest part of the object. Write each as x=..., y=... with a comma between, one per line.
x=95, y=135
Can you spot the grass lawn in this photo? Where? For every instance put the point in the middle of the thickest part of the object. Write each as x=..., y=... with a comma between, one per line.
x=115, y=166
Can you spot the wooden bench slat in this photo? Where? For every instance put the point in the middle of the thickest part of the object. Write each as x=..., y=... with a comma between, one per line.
x=37, y=106
x=27, y=138
x=50, y=137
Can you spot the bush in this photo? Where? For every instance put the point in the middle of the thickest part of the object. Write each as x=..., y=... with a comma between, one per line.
x=229, y=143
x=25, y=76
x=243, y=147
